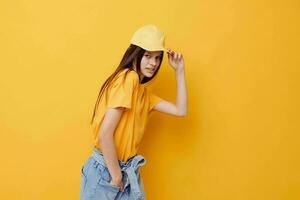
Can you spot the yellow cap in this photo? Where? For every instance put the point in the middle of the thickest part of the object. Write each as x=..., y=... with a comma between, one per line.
x=150, y=38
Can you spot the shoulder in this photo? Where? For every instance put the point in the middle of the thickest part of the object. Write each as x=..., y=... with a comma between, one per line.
x=129, y=75
x=126, y=78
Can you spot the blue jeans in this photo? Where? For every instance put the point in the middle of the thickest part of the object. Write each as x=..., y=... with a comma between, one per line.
x=95, y=179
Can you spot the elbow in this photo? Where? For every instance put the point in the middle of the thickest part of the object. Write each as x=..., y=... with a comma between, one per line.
x=182, y=114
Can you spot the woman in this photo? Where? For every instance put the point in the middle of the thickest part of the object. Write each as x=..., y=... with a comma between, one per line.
x=120, y=116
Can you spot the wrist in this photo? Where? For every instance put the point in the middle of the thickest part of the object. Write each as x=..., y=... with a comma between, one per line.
x=179, y=70
x=117, y=177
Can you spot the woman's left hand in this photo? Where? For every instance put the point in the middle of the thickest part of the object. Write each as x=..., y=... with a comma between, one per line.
x=175, y=59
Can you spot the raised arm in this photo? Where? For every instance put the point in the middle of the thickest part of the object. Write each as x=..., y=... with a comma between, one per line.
x=180, y=108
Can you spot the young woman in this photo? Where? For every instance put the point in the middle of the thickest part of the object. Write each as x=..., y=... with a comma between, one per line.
x=120, y=116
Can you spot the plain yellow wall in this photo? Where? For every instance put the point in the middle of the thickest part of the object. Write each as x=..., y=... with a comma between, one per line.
x=240, y=140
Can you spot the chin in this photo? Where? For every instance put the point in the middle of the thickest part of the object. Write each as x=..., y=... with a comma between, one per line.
x=148, y=75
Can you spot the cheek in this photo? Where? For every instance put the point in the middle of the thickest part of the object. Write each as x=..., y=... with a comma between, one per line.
x=144, y=61
x=143, y=64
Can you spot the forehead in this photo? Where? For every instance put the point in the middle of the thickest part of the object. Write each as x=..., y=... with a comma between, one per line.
x=154, y=53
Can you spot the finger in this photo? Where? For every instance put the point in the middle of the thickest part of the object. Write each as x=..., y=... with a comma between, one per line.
x=171, y=57
x=171, y=52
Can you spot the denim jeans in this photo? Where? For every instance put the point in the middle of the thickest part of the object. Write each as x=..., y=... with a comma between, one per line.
x=95, y=179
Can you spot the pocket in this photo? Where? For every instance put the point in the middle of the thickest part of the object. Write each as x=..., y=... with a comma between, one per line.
x=104, y=188
x=105, y=179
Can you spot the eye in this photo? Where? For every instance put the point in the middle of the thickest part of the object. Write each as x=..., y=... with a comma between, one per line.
x=147, y=55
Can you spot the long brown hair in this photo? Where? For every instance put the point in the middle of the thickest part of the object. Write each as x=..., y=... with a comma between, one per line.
x=132, y=57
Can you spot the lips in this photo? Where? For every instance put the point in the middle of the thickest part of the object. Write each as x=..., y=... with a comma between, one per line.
x=151, y=70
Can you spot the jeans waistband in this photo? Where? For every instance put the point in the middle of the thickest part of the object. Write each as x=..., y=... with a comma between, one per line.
x=130, y=169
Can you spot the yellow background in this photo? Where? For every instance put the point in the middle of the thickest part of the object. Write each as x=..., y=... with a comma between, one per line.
x=240, y=140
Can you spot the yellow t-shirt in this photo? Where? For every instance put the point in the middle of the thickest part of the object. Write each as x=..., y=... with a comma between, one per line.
x=139, y=101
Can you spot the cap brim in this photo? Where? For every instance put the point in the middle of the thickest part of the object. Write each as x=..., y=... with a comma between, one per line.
x=160, y=49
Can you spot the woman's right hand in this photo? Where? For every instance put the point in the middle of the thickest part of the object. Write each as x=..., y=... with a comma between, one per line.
x=118, y=182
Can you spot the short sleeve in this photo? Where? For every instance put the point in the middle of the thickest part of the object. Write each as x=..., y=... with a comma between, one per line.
x=121, y=92
x=153, y=100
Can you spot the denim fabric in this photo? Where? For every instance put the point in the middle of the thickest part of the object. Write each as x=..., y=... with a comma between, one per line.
x=95, y=179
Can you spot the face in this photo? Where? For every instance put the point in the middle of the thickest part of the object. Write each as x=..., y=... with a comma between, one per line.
x=150, y=62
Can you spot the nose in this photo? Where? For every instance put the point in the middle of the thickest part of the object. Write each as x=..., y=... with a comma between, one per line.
x=153, y=61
